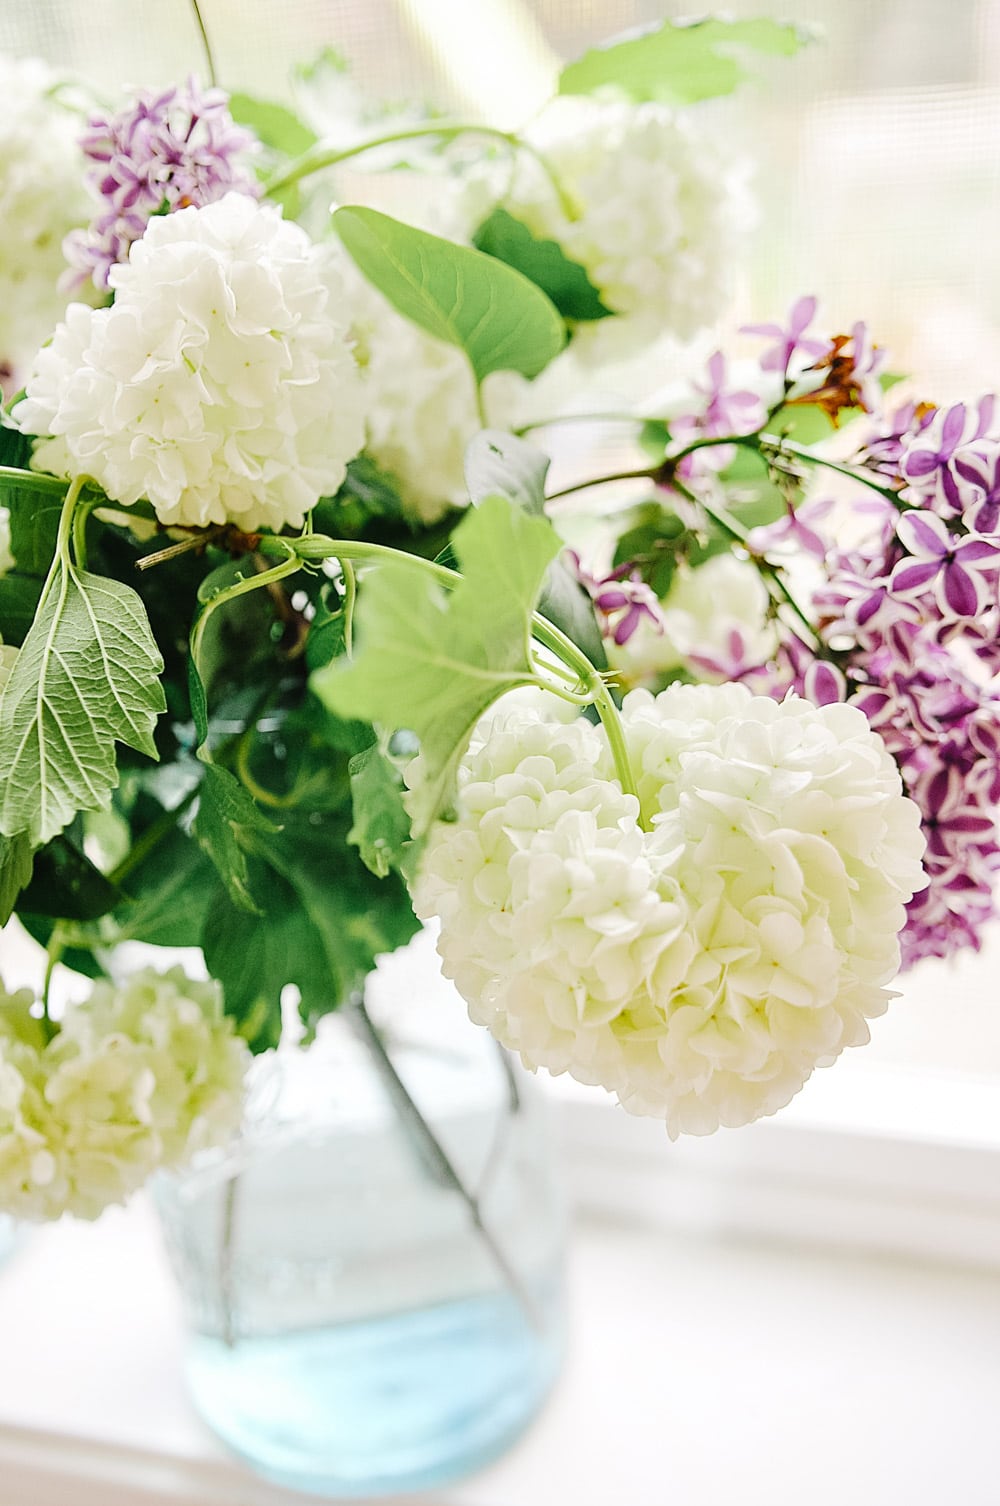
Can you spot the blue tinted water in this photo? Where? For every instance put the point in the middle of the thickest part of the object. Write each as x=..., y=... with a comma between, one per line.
x=401, y=1402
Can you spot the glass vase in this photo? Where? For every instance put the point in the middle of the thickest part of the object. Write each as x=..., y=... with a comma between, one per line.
x=373, y=1274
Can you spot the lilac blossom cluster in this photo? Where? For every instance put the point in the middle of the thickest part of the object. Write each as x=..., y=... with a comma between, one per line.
x=163, y=151
x=906, y=617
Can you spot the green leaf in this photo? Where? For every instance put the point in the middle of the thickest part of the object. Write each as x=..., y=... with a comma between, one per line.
x=15, y=872
x=499, y=318
x=679, y=63
x=498, y=464
x=78, y=958
x=167, y=894
x=381, y=827
x=86, y=678
x=8, y=658
x=275, y=125
x=35, y=511
x=433, y=661
x=326, y=919
x=544, y=262
x=225, y=825
x=66, y=885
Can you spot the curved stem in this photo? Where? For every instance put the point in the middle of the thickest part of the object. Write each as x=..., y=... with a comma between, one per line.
x=287, y=566
x=206, y=44
x=317, y=546
x=320, y=157
x=648, y=473
x=350, y=596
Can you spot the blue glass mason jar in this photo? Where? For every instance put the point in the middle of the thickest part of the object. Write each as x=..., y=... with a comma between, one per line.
x=373, y=1273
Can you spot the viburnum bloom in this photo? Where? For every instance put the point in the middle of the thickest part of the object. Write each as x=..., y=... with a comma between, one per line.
x=657, y=210
x=163, y=151
x=220, y=384
x=699, y=968
x=42, y=198
x=136, y=1079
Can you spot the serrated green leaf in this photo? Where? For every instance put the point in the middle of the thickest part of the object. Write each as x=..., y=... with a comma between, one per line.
x=326, y=919
x=543, y=262
x=66, y=885
x=225, y=825
x=498, y=464
x=381, y=828
x=167, y=894
x=15, y=872
x=499, y=318
x=433, y=661
x=275, y=125
x=679, y=63
x=87, y=677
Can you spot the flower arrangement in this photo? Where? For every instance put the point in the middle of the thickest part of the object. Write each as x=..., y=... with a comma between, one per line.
x=290, y=633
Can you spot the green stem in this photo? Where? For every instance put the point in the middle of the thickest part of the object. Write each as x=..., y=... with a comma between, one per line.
x=317, y=546
x=648, y=473
x=350, y=597
x=38, y=480
x=151, y=838
x=320, y=157
x=771, y=447
x=206, y=44
x=287, y=566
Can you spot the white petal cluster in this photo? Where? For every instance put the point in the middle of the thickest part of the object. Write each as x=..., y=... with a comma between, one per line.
x=137, y=1078
x=42, y=198
x=659, y=210
x=220, y=384
x=702, y=968
x=420, y=404
x=702, y=613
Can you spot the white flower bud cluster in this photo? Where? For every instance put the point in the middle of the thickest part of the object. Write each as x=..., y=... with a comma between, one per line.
x=136, y=1079
x=702, y=968
x=42, y=198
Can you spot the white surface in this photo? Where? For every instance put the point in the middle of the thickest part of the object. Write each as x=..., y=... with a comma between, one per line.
x=702, y=1373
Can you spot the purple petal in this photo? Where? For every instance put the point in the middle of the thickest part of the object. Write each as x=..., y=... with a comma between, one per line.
x=923, y=534
x=802, y=315
x=953, y=427
x=913, y=577
x=960, y=590
x=974, y=550
x=919, y=463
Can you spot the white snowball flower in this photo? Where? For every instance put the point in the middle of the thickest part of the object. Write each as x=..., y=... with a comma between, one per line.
x=702, y=968
x=138, y=1078
x=220, y=384
x=42, y=198
x=660, y=209
x=714, y=621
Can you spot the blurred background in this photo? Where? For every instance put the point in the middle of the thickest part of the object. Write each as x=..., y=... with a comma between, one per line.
x=877, y=151
x=875, y=162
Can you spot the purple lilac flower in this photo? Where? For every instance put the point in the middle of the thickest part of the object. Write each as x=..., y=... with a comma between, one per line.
x=725, y=411
x=622, y=599
x=797, y=529
x=940, y=462
x=162, y=152
x=789, y=340
x=954, y=565
x=883, y=449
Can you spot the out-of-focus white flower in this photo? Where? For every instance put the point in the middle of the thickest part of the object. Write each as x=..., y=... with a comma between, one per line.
x=714, y=621
x=420, y=403
x=220, y=384
x=702, y=968
x=42, y=198
x=659, y=210
x=138, y=1078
